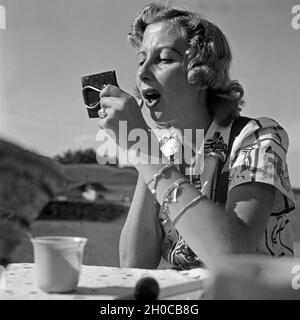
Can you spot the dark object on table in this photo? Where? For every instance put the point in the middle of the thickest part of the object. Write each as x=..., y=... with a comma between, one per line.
x=146, y=289
x=91, y=87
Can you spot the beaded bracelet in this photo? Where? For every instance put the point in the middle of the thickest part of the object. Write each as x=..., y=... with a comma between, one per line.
x=158, y=175
x=173, y=187
x=175, y=217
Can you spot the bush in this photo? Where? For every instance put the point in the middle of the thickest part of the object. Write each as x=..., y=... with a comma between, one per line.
x=82, y=210
x=77, y=156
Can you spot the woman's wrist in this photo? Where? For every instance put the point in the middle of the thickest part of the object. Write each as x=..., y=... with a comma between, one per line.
x=171, y=189
x=158, y=177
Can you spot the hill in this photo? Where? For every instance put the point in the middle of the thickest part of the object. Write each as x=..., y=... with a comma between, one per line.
x=119, y=182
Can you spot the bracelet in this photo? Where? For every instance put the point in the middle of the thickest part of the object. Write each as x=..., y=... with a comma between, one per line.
x=168, y=199
x=158, y=175
x=178, y=214
x=173, y=187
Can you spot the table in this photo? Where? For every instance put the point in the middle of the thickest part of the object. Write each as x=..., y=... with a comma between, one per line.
x=103, y=283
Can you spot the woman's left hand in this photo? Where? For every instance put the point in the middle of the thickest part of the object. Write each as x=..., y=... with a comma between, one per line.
x=120, y=106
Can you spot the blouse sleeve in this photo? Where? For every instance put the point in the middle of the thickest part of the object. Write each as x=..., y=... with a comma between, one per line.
x=259, y=155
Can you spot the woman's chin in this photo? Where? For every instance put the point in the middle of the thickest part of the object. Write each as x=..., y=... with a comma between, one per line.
x=160, y=119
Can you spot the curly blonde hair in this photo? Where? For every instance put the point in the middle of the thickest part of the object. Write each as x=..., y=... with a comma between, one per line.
x=208, y=56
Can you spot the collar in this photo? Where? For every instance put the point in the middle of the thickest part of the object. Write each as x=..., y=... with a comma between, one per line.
x=215, y=141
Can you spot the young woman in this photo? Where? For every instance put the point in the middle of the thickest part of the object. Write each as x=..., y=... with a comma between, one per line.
x=239, y=202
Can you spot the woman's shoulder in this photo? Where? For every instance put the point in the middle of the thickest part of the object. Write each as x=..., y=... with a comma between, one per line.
x=263, y=122
x=259, y=155
x=262, y=130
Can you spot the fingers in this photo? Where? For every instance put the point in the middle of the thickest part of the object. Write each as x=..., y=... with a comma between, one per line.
x=110, y=90
x=115, y=92
x=106, y=114
x=117, y=105
x=111, y=102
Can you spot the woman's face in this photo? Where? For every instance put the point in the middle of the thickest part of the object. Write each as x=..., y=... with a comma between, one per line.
x=162, y=75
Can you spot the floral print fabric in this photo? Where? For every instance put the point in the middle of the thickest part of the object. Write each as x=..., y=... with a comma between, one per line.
x=258, y=154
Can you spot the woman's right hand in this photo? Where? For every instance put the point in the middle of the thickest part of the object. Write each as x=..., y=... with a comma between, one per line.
x=120, y=106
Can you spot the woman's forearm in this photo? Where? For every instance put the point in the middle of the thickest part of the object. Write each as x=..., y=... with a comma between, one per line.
x=205, y=226
x=141, y=237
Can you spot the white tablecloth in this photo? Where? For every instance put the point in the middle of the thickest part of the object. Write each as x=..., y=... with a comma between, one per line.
x=102, y=283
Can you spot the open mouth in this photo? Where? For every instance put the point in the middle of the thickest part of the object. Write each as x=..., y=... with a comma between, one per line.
x=151, y=97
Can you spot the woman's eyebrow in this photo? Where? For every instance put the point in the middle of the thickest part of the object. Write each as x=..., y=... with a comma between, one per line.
x=174, y=49
x=160, y=48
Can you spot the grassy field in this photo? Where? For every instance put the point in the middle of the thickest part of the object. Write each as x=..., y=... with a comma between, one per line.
x=101, y=248
x=120, y=182
x=103, y=237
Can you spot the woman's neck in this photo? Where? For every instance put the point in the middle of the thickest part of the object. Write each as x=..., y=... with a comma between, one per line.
x=196, y=115
x=195, y=125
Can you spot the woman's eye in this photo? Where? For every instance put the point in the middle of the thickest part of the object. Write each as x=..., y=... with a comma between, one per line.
x=166, y=60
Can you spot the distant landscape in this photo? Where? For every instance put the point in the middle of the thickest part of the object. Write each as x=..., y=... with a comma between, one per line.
x=103, y=235
x=120, y=182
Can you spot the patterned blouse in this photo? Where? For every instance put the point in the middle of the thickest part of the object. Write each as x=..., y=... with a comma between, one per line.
x=258, y=154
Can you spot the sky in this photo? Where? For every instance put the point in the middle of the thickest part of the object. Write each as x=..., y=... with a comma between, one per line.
x=48, y=46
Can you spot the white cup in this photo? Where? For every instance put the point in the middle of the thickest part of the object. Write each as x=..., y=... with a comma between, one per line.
x=58, y=262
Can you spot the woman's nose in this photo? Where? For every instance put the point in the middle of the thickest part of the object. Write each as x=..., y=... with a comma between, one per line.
x=145, y=72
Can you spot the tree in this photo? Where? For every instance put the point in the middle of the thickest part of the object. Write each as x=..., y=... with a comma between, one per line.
x=77, y=156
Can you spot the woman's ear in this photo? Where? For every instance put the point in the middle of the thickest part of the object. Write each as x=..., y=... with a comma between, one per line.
x=200, y=75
